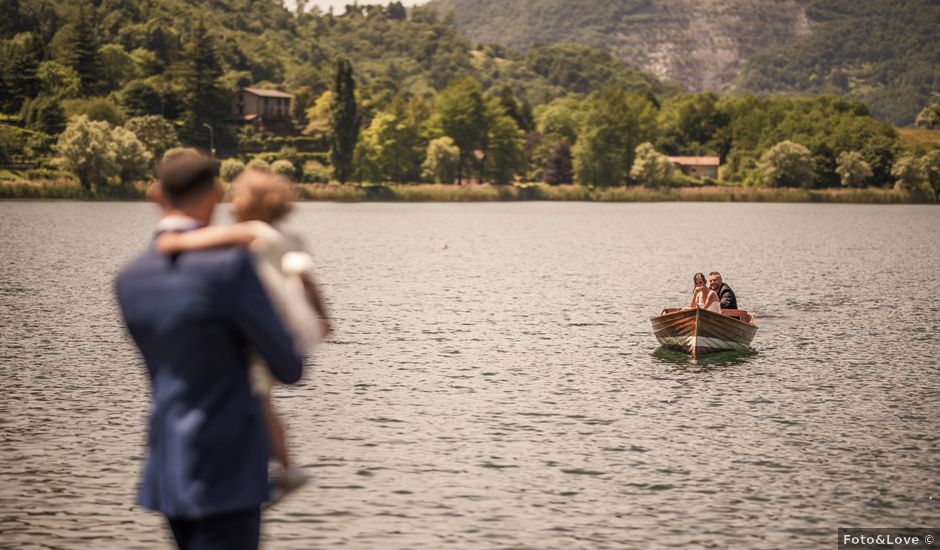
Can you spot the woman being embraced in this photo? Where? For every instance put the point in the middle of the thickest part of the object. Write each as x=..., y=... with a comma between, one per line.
x=704, y=297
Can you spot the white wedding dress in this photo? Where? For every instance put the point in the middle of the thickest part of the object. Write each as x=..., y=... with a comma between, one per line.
x=281, y=263
x=715, y=306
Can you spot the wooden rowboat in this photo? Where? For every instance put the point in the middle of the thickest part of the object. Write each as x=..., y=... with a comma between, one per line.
x=698, y=331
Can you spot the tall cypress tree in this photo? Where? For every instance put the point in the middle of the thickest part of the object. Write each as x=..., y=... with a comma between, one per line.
x=83, y=49
x=205, y=100
x=344, y=117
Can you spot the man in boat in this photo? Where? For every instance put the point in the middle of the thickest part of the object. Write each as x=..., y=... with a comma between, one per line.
x=725, y=294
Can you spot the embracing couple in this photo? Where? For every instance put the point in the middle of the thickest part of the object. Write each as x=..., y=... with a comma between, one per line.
x=715, y=296
x=218, y=313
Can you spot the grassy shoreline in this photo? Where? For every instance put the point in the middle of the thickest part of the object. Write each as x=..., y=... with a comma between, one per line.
x=66, y=189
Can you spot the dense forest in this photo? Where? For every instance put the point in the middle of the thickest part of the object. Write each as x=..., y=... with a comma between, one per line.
x=381, y=93
x=883, y=52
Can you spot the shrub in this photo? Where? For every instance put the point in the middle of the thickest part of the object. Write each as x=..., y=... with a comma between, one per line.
x=316, y=172
x=47, y=174
x=95, y=108
x=258, y=163
x=284, y=168
x=44, y=114
x=231, y=168
x=170, y=153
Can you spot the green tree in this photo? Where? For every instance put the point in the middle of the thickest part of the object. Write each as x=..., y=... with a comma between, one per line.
x=651, y=168
x=157, y=135
x=558, y=168
x=907, y=173
x=561, y=119
x=517, y=110
x=442, y=161
x=140, y=98
x=131, y=157
x=44, y=114
x=85, y=149
x=21, y=62
x=58, y=80
x=930, y=167
x=117, y=67
x=504, y=146
x=787, y=164
x=853, y=170
x=344, y=119
x=396, y=11
x=146, y=62
x=614, y=124
x=318, y=118
x=82, y=49
x=386, y=150
x=461, y=115
x=929, y=116
x=205, y=99
x=691, y=124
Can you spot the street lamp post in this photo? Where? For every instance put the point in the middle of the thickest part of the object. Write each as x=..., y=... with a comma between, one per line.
x=211, y=140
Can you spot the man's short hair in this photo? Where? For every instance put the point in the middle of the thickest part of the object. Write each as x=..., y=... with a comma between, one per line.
x=714, y=274
x=185, y=176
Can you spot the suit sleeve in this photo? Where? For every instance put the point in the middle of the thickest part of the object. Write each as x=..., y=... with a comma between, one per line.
x=255, y=316
x=728, y=300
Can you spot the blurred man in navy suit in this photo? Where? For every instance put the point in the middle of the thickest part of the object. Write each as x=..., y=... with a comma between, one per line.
x=195, y=316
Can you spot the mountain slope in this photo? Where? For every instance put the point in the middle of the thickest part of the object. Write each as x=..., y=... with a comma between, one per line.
x=699, y=43
x=886, y=52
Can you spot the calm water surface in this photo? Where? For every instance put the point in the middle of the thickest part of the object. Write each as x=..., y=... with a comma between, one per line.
x=493, y=382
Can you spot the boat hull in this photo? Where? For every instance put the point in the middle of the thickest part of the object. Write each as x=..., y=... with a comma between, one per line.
x=699, y=332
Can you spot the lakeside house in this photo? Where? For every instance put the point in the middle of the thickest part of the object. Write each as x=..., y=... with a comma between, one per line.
x=697, y=167
x=267, y=108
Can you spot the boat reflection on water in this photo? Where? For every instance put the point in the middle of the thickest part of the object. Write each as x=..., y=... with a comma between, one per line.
x=719, y=358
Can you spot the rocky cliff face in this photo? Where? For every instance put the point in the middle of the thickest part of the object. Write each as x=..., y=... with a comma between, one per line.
x=701, y=44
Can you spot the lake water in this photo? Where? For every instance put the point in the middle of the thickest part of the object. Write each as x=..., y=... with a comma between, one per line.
x=493, y=382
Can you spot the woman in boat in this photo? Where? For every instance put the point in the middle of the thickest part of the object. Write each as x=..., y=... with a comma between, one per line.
x=704, y=297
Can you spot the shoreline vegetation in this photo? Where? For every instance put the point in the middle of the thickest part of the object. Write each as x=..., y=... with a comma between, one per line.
x=69, y=189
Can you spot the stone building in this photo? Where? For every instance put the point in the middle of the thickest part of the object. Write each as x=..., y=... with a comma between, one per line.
x=697, y=167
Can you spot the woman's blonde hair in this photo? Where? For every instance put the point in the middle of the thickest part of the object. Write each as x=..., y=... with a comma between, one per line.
x=259, y=194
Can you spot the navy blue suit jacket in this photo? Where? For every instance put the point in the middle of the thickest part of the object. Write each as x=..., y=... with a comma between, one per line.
x=194, y=317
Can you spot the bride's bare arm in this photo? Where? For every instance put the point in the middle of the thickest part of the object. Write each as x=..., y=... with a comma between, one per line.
x=207, y=237
x=694, y=299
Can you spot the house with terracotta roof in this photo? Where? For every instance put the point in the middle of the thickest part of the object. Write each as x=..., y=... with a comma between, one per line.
x=697, y=167
x=270, y=108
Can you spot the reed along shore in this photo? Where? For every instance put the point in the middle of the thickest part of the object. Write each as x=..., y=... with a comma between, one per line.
x=426, y=192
